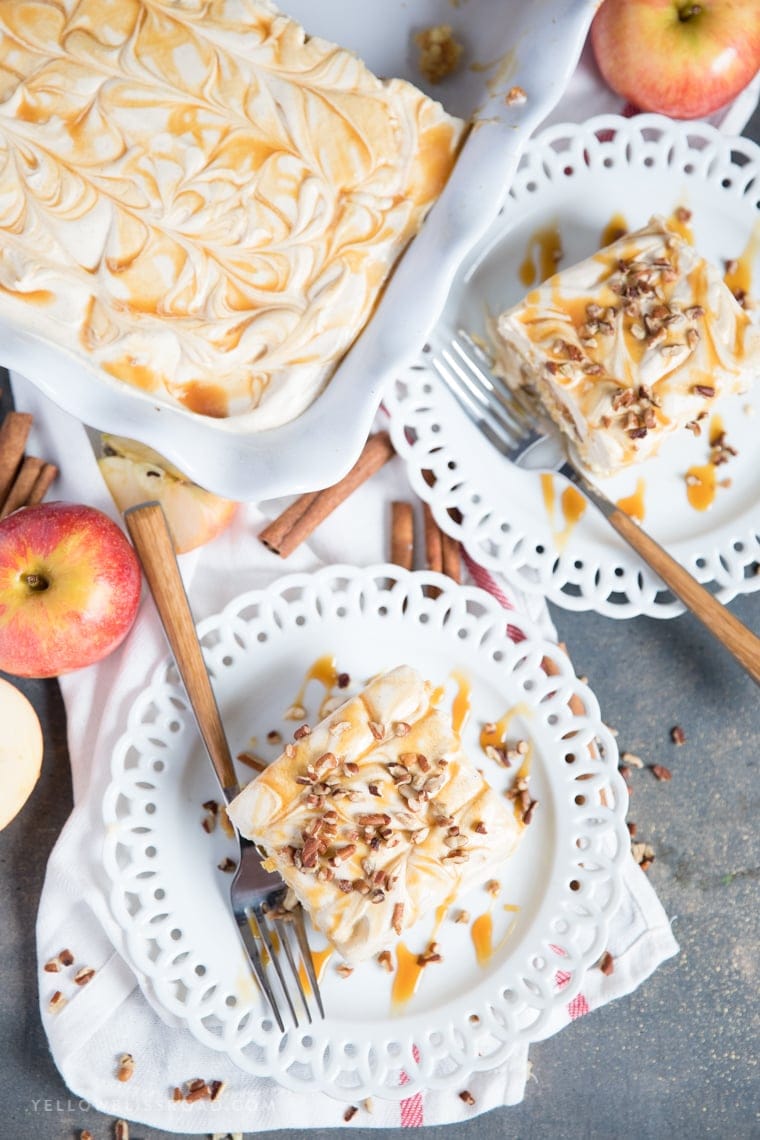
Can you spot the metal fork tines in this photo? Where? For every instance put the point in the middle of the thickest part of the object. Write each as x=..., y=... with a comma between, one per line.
x=266, y=928
x=256, y=894
x=502, y=415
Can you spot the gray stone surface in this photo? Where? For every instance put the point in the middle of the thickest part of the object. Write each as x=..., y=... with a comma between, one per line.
x=676, y=1059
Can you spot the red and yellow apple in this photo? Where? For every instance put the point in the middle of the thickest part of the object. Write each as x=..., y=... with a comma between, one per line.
x=680, y=58
x=20, y=751
x=69, y=588
x=135, y=474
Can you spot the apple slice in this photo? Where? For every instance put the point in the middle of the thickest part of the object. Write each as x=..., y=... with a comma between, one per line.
x=20, y=751
x=135, y=474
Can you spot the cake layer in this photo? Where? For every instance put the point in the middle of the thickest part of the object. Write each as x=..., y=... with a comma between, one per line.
x=629, y=345
x=198, y=199
x=377, y=817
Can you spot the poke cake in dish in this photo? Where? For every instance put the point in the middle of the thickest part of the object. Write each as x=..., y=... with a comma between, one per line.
x=200, y=200
x=376, y=816
x=629, y=346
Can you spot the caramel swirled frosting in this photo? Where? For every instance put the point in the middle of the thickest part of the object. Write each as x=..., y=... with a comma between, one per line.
x=198, y=199
x=377, y=816
x=629, y=345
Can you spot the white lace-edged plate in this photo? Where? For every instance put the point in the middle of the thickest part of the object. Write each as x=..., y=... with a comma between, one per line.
x=577, y=178
x=171, y=902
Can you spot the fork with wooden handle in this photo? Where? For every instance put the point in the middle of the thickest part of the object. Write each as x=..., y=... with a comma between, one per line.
x=255, y=894
x=515, y=426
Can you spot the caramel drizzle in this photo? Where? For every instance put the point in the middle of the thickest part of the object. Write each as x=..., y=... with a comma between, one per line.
x=547, y=243
x=323, y=670
x=482, y=935
x=572, y=505
x=460, y=705
x=738, y=276
x=634, y=504
x=210, y=266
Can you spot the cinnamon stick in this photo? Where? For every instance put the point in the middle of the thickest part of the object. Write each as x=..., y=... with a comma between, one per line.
x=284, y=534
x=42, y=483
x=275, y=533
x=402, y=535
x=433, y=545
x=26, y=477
x=14, y=433
x=451, y=557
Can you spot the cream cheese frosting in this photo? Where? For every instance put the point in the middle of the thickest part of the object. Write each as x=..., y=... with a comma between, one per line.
x=629, y=345
x=377, y=816
x=198, y=199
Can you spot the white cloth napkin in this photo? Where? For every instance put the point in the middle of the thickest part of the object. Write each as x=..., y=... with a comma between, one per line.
x=110, y=1015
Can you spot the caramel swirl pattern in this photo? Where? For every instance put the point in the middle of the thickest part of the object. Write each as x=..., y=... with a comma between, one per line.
x=199, y=199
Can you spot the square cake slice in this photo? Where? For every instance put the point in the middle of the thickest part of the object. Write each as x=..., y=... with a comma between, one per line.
x=202, y=201
x=377, y=816
x=628, y=346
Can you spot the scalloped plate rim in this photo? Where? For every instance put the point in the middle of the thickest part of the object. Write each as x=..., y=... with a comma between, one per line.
x=355, y=576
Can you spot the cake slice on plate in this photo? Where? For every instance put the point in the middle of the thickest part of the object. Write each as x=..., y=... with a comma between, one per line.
x=634, y=343
x=377, y=816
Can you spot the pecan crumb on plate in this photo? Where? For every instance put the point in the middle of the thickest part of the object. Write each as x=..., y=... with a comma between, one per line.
x=607, y=963
x=126, y=1068
x=439, y=52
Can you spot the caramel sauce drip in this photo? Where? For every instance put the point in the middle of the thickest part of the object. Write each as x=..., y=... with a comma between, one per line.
x=546, y=245
x=407, y=976
x=323, y=670
x=440, y=914
x=698, y=284
x=265, y=957
x=679, y=223
x=205, y=399
x=495, y=735
x=614, y=230
x=738, y=276
x=460, y=706
x=523, y=772
x=408, y=970
x=702, y=480
x=320, y=958
x=700, y=486
x=481, y=932
x=547, y=491
x=717, y=429
x=634, y=505
x=572, y=507
x=495, y=732
x=572, y=307
x=126, y=368
x=635, y=351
